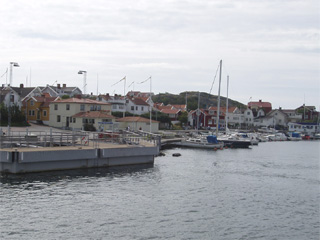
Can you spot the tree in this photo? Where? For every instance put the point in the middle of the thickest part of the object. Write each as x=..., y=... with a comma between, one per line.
x=183, y=118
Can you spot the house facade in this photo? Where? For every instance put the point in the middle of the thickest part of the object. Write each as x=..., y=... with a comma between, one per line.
x=136, y=106
x=62, y=111
x=61, y=90
x=274, y=118
x=138, y=123
x=37, y=108
x=100, y=120
x=117, y=102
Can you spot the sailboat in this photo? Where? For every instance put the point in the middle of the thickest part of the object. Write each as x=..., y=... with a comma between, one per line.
x=200, y=141
x=233, y=140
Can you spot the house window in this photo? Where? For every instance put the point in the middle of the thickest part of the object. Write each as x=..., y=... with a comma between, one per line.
x=248, y=113
x=141, y=108
x=11, y=98
x=29, y=112
x=58, y=118
x=56, y=107
x=82, y=107
x=74, y=120
x=98, y=107
x=44, y=113
x=132, y=108
x=137, y=108
x=68, y=107
x=31, y=103
x=114, y=106
x=32, y=112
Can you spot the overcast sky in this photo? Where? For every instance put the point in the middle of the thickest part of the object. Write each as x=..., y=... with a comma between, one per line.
x=270, y=48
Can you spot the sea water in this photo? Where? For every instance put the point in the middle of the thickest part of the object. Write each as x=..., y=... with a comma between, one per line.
x=270, y=191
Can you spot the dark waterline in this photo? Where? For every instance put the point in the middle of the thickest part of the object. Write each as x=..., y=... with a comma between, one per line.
x=268, y=192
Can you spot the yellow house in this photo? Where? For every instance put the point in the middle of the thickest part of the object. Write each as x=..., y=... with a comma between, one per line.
x=37, y=108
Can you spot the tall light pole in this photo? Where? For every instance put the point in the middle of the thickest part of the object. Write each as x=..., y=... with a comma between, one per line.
x=12, y=64
x=84, y=80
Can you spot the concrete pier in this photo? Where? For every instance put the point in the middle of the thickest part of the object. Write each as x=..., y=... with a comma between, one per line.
x=24, y=160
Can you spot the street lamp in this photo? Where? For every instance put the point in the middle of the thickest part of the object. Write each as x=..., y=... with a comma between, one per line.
x=84, y=80
x=12, y=64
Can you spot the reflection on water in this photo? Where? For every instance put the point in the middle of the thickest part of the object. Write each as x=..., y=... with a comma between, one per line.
x=268, y=192
x=55, y=176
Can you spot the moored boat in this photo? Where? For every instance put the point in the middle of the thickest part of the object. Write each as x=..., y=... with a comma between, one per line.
x=235, y=141
x=208, y=142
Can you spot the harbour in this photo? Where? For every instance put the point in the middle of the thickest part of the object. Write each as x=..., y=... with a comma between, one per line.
x=231, y=194
x=30, y=151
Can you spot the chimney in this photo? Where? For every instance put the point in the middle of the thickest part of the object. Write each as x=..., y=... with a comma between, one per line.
x=21, y=85
x=58, y=86
x=64, y=85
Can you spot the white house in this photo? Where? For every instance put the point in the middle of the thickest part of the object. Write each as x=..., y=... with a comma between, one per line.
x=136, y=106
x=62, y=111
x=62, y=90
x=138, y=123
x=293, y=115
x=273, y=118
x=117, y=102
x=101, y=120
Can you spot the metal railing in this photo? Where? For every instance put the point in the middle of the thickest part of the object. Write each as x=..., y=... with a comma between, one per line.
x=38, y=139
x=17, y=139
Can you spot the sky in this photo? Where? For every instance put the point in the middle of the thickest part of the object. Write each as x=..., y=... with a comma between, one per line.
x=270, y=49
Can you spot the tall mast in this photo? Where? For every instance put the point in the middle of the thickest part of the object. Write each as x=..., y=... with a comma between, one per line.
x=218, y=112
x=198, y=112
x=227, y=110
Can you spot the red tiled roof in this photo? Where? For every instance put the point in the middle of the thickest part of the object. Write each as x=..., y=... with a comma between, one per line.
x=135, y=119
x=170, y=111
x=260, y=104
x=179, y=106
x=138, y=101
x=94, y=114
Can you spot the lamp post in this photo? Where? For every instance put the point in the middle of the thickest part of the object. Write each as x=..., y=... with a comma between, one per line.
x=12, y=64
x=84, y=80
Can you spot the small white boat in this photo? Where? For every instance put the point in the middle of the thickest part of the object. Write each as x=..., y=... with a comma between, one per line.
x=235, y=140
x=208, y=142
x=293, y=136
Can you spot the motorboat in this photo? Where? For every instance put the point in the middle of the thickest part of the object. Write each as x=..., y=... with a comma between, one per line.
x=235, y=140
x=293, y=136
x=205, y=142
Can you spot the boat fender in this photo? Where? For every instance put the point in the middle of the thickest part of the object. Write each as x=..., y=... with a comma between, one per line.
x=176, y=154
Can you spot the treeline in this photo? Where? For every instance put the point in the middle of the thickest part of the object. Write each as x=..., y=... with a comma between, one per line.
x=14, y=115
x=191, y=98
